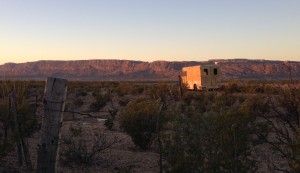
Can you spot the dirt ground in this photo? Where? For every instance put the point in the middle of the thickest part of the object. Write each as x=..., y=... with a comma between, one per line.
x=121, y=157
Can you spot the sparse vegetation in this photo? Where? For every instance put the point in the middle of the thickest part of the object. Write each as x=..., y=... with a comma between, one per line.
x=206, y=131
x=17, y=118
x=123, y=102
x=78, y=102
x=78, y=151
x=101, y=100
x=283, y=117
x=82, y=94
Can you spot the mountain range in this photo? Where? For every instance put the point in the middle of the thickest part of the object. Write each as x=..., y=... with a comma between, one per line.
x=140, y=70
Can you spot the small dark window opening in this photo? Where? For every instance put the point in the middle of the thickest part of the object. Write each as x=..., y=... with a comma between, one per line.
x=206, y=71
x=215, y=71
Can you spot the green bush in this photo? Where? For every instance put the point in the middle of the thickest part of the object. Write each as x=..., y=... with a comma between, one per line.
x=218, y=138
x=139, y=121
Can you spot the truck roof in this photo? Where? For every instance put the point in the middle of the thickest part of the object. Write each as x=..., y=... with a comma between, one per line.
x=199, y=66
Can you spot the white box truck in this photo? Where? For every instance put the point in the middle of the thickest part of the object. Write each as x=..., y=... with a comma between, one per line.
x=202, y=77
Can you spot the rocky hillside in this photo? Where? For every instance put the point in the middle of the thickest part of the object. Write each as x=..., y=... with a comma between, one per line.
x=139, y=70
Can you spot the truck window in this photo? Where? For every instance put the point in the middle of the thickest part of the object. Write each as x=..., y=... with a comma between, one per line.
x=206, y=71
x=215, y=71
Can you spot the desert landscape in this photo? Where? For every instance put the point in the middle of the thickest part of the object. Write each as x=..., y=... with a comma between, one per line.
x=98, y=130
x=157, y=86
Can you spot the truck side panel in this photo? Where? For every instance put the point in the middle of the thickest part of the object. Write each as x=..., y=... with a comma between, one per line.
x=203, y=77
x=193, y=77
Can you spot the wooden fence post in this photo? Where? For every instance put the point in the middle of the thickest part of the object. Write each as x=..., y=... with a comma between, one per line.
x=54, y=101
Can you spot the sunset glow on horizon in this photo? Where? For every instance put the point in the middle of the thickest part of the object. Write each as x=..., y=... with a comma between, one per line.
x=171, y=30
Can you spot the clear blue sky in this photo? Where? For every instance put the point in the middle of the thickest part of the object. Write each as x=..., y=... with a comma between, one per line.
x=149, y=30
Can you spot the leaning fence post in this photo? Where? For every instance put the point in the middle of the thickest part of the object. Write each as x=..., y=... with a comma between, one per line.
x=54, y=99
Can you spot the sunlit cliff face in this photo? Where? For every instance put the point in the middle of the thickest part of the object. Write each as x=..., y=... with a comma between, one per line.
x=139, y=70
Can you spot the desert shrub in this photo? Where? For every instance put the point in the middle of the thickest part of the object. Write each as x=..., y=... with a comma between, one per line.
x=233, y=88
x=124, y=88
x=295, y=161
x=216, y=139
x=109, y=123
x=82, y=94
x=5, y=147
x=78, y=151
x=283, y=118
x=101, y=100
x=137, y=89
x=200, y=100
x=188, y=97
x=6, y=142
x=139, y=121
x=28, y=122
x=78, y=102
x=161, y=89
x=75, y=131
x=110, y=85
x=26, y=118
x=123, y=102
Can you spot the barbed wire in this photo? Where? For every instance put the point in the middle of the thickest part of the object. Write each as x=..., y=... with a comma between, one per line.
x=60, y=123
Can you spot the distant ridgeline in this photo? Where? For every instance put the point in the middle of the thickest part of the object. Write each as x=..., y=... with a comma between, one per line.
x=139, y=70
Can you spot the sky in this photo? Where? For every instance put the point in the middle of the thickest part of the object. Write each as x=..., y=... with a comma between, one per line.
x=149, y=30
